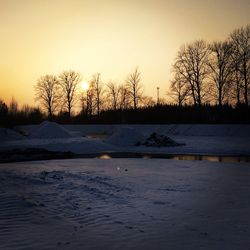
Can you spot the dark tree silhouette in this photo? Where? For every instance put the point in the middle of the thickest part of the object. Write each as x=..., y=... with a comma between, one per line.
x=236, y=77
x=113, y=92
x=134, y=87
x=148, y=101
x=69, y=81
x=13, y=107
x=98, y=91
x=220, y=64
x=241, y=44
x=90, y=99
x=179, y=90
x=123, y=100
x=192, y=66
x=3, y=112
x=47, y=93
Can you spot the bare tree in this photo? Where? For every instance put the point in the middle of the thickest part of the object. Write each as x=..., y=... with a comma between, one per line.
x=179, y=89
x=98, y=92
x=123, y=99
x=25, y=110
x=69, y=81
x=220, y=64
x=47, y=93
x=148, y=101
x=113, y=92
x=90, y=99
x=191, y=65
x=83, y=103
x=241, y=41
x=134, y=87
x=236, y=79
x=13, y=106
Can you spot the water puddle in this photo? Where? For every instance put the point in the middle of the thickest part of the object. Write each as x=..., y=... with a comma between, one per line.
x=33, y=154
x=213, y=158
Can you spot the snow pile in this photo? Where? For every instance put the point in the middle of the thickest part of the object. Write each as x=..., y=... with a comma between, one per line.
x=158, y=140
x=9, y=134
x=50, y=130
x=125, y=136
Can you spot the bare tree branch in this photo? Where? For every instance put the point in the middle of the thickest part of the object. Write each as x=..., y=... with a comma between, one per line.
x=47, y=93
x=69, y=81
x=134, y=87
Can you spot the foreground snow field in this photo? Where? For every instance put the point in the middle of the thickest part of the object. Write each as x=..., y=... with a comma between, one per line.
x=124, y=204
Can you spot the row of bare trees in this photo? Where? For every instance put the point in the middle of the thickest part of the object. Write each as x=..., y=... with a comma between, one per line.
x=63, y=94
x=213, y=73
x=56, y=93
x=216, y=73
x=101, y=96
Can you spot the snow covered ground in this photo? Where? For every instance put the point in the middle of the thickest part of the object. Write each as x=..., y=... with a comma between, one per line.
x=124, y=204
x=235, y=130
x=198, y=139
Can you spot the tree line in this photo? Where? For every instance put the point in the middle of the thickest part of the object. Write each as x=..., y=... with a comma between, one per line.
x=61, y=94
x=204, y=76
x=215, y=73
x=203, y=73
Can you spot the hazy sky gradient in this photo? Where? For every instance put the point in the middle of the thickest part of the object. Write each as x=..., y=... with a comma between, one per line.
x=111, y=37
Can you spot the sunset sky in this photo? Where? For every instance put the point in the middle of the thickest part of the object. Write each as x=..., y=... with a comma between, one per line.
x=111, y=37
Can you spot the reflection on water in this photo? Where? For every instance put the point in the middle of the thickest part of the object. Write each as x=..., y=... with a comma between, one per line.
x=105, y=156
x=212, y=158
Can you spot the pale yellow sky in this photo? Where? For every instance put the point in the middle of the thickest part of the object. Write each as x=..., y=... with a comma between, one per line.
x=111, y=37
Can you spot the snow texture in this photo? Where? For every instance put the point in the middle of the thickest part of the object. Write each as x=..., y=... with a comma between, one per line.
x=124, y=204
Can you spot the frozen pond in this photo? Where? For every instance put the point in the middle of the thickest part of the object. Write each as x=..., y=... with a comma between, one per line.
x=124, y=204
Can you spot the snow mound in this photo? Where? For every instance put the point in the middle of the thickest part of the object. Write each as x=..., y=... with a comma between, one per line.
x=50, y=130
x=125, y=136
x=9, y=134
x=158, y=140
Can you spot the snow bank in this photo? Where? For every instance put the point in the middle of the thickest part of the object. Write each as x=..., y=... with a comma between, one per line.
x=9, y=134
x=237, y=130
x=79, y=146
x=125, y=136
x=225, y=139
x=232, y=130
x=50, y=130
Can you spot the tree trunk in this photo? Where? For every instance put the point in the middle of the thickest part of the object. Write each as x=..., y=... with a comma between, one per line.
x=220, y=96
x=245, y=83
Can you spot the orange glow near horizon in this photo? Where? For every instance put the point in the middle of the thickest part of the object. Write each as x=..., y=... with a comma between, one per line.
x=111, y=37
